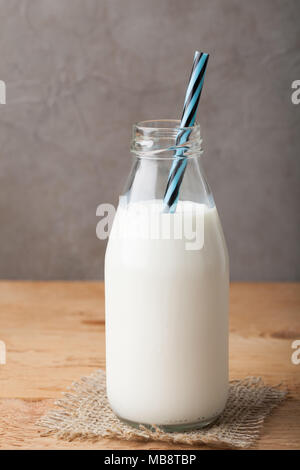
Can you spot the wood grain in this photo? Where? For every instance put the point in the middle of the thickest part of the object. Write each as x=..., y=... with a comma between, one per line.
x=54, y=334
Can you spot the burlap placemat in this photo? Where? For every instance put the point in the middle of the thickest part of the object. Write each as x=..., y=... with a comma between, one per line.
x=84, y=413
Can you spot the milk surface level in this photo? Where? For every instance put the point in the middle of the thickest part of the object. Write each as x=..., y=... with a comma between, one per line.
x=167, y=324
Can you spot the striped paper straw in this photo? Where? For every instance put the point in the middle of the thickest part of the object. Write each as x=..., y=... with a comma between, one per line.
x=191, y=101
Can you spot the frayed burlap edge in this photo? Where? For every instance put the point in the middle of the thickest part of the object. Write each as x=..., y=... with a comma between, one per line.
x=84, y=413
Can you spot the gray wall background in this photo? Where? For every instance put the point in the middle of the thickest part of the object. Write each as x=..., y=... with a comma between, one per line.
x=80, y=72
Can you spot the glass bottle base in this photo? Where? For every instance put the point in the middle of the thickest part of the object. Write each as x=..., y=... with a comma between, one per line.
x=184, y=427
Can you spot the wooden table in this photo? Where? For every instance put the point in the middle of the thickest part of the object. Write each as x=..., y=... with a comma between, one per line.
x=54, y=334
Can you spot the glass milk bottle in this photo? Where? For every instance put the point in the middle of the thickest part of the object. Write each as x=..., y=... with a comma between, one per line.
x=166, y=291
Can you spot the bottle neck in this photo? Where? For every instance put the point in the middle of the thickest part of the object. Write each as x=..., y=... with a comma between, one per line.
x=157, y=145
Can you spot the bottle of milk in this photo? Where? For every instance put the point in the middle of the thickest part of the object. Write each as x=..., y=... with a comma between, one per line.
x=166, y=291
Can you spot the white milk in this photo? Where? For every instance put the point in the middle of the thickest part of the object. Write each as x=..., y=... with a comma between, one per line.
x=167, y=323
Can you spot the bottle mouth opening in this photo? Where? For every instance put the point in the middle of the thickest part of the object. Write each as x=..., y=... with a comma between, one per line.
x=163, y=125
x=165, y=139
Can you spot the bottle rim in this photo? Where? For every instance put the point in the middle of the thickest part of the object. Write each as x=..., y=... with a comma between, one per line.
x=158, y=139
x=164, y=124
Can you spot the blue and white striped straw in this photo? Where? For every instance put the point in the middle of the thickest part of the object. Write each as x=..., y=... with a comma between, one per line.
x=191, y=101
